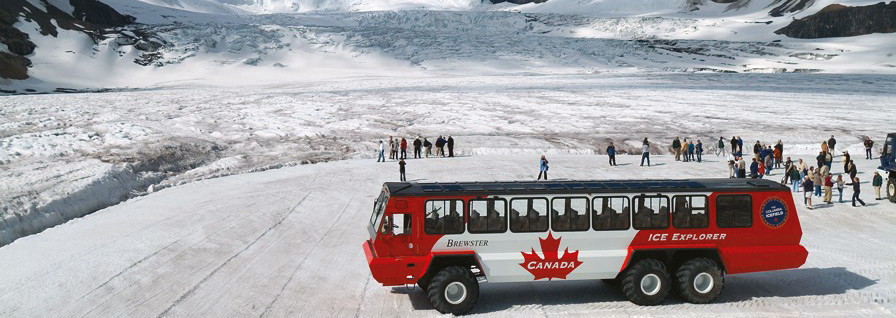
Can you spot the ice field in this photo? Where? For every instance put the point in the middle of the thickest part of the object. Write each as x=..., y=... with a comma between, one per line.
x=287, y=242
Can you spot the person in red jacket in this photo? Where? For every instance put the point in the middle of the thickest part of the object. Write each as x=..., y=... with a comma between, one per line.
x=404, y=148
x=828, y=189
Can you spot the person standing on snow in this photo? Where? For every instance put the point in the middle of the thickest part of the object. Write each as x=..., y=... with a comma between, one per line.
x=817, y=180
x=856, y=190
x=877, y=182
x=807, y=192
x=676, y=148
x=611, y=152
x=404, y=148
x=401, y=165
x=741, y=168
x=795, y=178
x=395, y=146
x=840, y=183
x=852, y=170
x=684, y=150
x=754, y=169
x=699, y=150
x=691, y=150
x=829, y=160
x=831, y=143
x=721, y=146
x=828, y=185
x=450, y=143
x=417, y=144
x=645, y=152
x=440, y=147
x=733, y=145
x=846, y=160
x=381, y=157
x=391, y=146
x=756, y=149
x=804, y=169
x=769, y=162
x=542, y=168
x=869, y=144
x=819, y=160
x=740, y=146
x=787, y=166
x=731, y=165
x=427, y=147
x=779, y=153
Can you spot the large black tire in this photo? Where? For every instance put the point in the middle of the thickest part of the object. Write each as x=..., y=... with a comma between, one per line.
x=612, y=282
x=700, y=281
x=424, y=281
x=891, y=189
x=646, y=283
x=454, y=290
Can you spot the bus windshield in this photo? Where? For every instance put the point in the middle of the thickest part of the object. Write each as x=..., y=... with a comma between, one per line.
x=378, y=207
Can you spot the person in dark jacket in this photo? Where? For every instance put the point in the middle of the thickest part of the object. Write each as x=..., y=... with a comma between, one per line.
x=450, y=144
x=440, y=147
x=401, y=165
x=676, y=148
x=819, y=160
x=852, y=170
x=807, y=192
x=691, y=150
x=645, y=152
x=427, y=146
x=733, y=145
x=756, y=148
x=754, y=169
x=869, y=144
x=721, y=146
x=831, y=143
x=846, y=160
x=699, y=150
x=740, y=145
x=794, y=174
x=877, y=182
x=611, y=152
x=542, y=168
x=417, y=144
x=856, y=189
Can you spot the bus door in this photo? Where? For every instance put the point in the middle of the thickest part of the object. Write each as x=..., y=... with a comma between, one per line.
x=397, y=233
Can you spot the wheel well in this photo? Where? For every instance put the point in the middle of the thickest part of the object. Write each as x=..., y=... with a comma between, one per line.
x=673, y=258
x=439, y=262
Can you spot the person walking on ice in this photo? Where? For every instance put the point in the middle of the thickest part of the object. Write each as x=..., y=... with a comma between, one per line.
x=869, y=144
x=427, y=147
x=542, y=168
x=450, y=144
x=721, y=146
x=611, y=152
x=840, y=183
x=877, y=182
x=831, y=143
x=645, y=152
x=401, y=165
x=856, y=190
x=381, y=157
x=807, y=192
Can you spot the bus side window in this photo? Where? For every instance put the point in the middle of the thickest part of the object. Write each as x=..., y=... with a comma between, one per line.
x=569, y=214
x=652, y=212
x=610, y=213
x=397, y=224
x=734, y=211
x=529, y=215
x=689, y=211
x=443, y=217
x=488, y=216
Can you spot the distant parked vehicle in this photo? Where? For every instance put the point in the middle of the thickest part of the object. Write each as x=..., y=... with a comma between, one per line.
x=888, y=165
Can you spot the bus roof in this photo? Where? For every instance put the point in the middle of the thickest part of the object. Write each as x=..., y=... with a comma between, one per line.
x=581, y=186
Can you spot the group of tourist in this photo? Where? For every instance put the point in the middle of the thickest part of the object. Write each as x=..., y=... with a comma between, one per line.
x=398, y=150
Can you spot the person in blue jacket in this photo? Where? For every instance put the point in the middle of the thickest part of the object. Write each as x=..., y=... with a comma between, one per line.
x=611, y=152
x=691, y=151
x=754, y=169
x=543, y=168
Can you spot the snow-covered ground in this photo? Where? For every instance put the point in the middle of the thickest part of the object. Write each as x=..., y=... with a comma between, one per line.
x=287, y=243
x=63, y=156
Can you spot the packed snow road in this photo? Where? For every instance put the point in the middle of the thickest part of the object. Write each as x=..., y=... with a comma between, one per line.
x=286, y=243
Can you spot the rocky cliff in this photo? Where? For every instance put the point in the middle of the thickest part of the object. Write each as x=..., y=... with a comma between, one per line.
x=839, y=21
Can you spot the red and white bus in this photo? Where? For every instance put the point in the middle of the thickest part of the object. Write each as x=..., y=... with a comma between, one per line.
x=648, y=236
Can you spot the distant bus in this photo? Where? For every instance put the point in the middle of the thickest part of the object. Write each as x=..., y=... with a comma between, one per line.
x=645, y=236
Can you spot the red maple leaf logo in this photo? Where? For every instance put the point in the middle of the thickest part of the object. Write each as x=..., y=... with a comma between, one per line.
x=550, y=266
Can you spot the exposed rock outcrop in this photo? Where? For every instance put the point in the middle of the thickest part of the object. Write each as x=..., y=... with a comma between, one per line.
x=89, y=16
x=839, y=21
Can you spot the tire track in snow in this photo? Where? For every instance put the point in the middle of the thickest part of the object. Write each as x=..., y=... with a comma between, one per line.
x=299, y=266
x=218, y=268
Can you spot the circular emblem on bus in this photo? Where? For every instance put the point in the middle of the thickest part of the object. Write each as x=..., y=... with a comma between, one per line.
x=774, y=213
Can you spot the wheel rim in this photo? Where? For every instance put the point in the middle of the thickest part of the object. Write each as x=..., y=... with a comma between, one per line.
x=650, y=284
x=455, y=293
x=703, y=283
